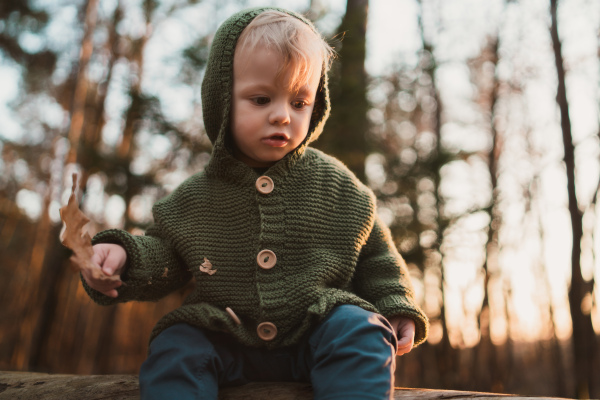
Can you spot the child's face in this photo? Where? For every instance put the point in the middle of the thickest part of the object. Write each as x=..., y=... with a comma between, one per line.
x=269, y=118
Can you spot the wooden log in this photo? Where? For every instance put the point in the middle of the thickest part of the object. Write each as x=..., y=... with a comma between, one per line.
x=39, y=386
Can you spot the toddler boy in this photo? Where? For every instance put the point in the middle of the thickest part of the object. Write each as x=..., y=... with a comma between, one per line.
x=296, y=278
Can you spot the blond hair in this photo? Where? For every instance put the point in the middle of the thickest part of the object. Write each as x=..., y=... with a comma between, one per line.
x=295, y=41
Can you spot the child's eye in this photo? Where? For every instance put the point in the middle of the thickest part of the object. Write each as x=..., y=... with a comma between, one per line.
x=298, y=104
x=262, y=100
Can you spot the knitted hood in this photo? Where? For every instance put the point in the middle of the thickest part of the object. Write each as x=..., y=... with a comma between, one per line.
x=217, y=89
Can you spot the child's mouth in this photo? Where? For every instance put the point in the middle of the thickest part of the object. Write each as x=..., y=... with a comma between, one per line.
x=277, y=140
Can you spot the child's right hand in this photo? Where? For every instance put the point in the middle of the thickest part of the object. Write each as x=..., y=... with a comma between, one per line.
x=110, y=258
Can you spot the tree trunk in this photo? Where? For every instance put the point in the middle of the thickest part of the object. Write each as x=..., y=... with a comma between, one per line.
x=447, y=356
x=583, y=338
x=345, y=134
x=32, y=292
x=126, y=148
x=112, y=48
x=134, y=113
x=556, y=351
x=486, y=351
x=54, y=269
x=81, y=86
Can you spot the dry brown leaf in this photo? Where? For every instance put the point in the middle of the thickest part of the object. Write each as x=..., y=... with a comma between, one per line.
x=77, y=240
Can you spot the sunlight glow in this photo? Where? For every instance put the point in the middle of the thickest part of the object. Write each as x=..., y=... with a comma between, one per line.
x=113, y=213
x=30, y=202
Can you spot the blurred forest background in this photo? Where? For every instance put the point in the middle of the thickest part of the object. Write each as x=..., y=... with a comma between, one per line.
x=476, y=123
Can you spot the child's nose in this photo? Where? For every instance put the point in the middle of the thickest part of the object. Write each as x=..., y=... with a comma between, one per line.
x=280, y=114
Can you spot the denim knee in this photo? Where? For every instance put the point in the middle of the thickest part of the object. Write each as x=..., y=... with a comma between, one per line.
x=357, y=320
x=353, y=355
x=180, y=365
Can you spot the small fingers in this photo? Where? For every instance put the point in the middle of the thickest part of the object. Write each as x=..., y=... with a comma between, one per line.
x=97, y=259
x=115, y=260
x=101, y=284
x=108, y=269
x=109, y=257
x=404, y=341
x=405, y=344
x=106, y=286
x=110, y=265
x=403, y=350
x=112, y=293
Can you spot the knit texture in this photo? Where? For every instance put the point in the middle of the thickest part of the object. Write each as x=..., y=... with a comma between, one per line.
x=320, y=221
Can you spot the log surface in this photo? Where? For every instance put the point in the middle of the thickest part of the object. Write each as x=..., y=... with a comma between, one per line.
x=39, y=386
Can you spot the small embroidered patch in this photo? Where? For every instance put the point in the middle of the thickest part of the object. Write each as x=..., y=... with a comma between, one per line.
x=207, y=267
x=164, y=275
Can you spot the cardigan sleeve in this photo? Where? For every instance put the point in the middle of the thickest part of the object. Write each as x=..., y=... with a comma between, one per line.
x=381, y=277
x=152, y=270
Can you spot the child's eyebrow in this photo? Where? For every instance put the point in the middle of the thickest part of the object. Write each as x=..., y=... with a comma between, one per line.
x=304, y=89
x=255, y=86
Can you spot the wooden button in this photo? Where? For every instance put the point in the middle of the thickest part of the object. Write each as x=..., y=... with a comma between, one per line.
x=264, y=185
x=266, y=331
x=233, y=316
x=266, y=259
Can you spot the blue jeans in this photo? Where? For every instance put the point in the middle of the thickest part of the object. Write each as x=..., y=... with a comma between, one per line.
x=349, y=355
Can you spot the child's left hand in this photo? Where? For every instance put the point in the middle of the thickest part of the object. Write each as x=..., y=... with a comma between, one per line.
x=404, y=328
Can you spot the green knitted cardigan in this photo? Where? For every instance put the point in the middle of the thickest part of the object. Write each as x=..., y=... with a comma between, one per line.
x=319, y=220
